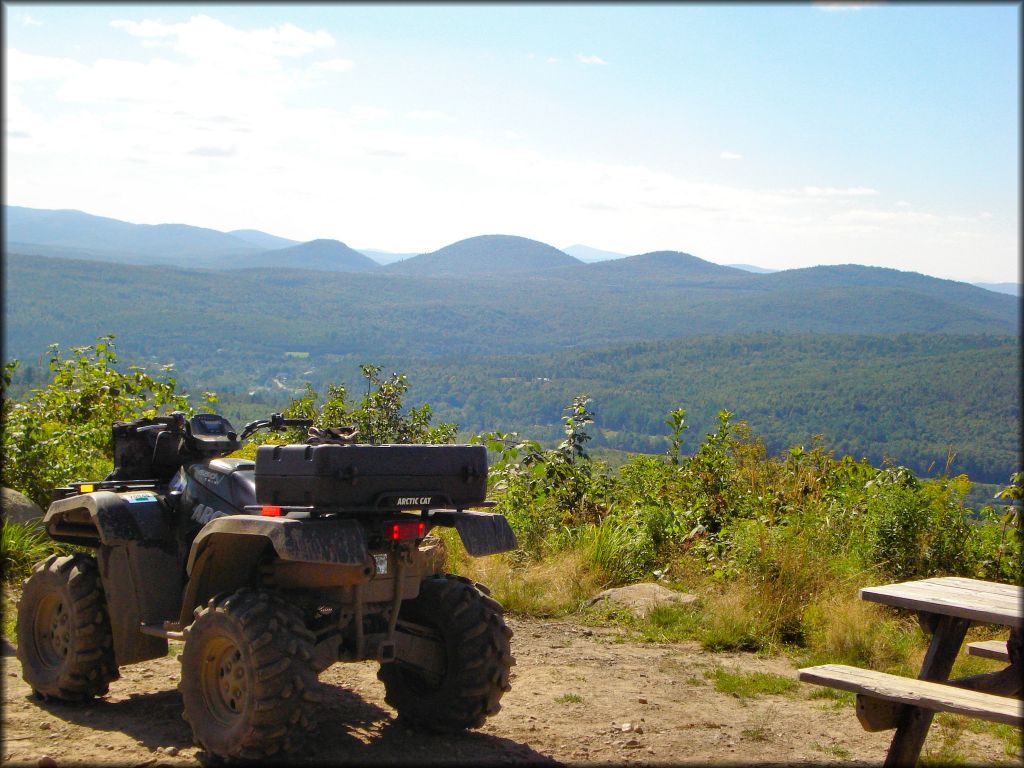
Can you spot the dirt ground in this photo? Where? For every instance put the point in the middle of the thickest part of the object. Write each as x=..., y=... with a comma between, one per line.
x=579, y=695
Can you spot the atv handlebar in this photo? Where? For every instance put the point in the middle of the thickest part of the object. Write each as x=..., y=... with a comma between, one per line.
x=275, y=422
x=174, y=422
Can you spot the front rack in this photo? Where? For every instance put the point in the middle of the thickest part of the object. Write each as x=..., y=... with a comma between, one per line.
x=117, y=486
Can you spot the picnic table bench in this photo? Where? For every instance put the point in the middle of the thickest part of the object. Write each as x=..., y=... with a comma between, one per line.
x=945, y=607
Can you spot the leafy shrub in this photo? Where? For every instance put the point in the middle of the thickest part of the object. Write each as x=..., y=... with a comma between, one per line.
x=62, y=432
x=770, y=541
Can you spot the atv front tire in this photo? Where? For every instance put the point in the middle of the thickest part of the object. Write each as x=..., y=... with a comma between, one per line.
x=65, y=644
x=472, y=663
x=247, y=678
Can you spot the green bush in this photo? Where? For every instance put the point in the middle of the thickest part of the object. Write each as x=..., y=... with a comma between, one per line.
x=781, y=537
x=62, y=432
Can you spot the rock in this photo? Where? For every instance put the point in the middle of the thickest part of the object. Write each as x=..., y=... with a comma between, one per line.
x=17, y=507
x=46, y=762
x=640, y=599
x=641, y=700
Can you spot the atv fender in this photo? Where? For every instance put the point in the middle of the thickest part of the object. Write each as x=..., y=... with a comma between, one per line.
x=105, y=517
x=139, y=564
x=227, y=552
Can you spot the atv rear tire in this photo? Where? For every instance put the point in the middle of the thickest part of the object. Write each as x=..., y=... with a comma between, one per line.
x=474, y=662
x=247, y=678
x=65, y=644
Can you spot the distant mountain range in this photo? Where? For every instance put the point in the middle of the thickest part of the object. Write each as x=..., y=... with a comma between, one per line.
x=587, y=254
x=73, y=234
x=502, y=330
x=1013, y=289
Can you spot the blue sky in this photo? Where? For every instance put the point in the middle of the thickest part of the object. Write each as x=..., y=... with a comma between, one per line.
x=778, y=135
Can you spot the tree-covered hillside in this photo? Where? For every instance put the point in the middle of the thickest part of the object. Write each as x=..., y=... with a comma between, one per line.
x=325, y=255
x=910, y=398
x=883, y=363
x=157, y=310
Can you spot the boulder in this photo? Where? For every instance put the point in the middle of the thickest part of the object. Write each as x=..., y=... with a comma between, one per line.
x=19, y=508
x=640, y=599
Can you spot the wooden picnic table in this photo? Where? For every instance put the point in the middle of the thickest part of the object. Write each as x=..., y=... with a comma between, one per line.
x=946, y=607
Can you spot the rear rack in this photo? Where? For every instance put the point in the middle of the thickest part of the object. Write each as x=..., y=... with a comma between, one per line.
x=304, y=512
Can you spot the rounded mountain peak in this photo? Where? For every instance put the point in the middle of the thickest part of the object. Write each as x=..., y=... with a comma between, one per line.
x=486, y=254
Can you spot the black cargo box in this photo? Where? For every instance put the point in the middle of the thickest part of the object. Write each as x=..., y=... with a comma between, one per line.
x=371, y=477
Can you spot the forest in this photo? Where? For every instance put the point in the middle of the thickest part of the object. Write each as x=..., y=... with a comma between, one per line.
x=884, y=365
x=908, y=398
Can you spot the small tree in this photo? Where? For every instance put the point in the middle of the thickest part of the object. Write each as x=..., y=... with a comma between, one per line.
x=378, y=417
x=62, y=432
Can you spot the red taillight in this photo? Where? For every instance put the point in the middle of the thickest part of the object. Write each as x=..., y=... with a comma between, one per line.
x=406, y=531
x=271, y=511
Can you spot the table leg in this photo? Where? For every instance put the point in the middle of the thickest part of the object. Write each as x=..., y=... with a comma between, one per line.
x=947, y=638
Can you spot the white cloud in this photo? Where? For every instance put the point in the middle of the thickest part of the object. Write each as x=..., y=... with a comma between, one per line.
x=214, y=151
x=901, y=204
x=867, y=216
x=585, y=59
x=726, y=155
x=552, y=60
x=335, y=65
x=28, y=21
x=22, y=67
x=367, y=112
x=426, y=115
x=208, y=40
x=839, y=191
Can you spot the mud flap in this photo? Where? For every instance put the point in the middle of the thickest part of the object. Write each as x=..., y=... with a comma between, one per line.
x=482, y=533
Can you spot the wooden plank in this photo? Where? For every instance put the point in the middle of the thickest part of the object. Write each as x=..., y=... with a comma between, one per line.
x=977, y=585
x=952, y=596
x=989, y=649
x=956, y=584
x=917, y=693
x=950, y=592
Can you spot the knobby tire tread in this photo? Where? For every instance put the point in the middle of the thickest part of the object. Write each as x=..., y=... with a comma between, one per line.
x=476, y=678
x=90, y=666
x=286, y=692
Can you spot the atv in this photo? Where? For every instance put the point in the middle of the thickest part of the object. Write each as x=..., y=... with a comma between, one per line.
x=270, y=571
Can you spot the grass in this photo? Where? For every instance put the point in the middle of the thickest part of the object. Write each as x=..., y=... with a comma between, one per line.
x=832, y=693
x=748, y=685
x=569, y=698
x=836, y=750
x=10, y=603
x=837, y=627
x=760, y=733
x=955, y=725
x=555, y=586
x=22, y=545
